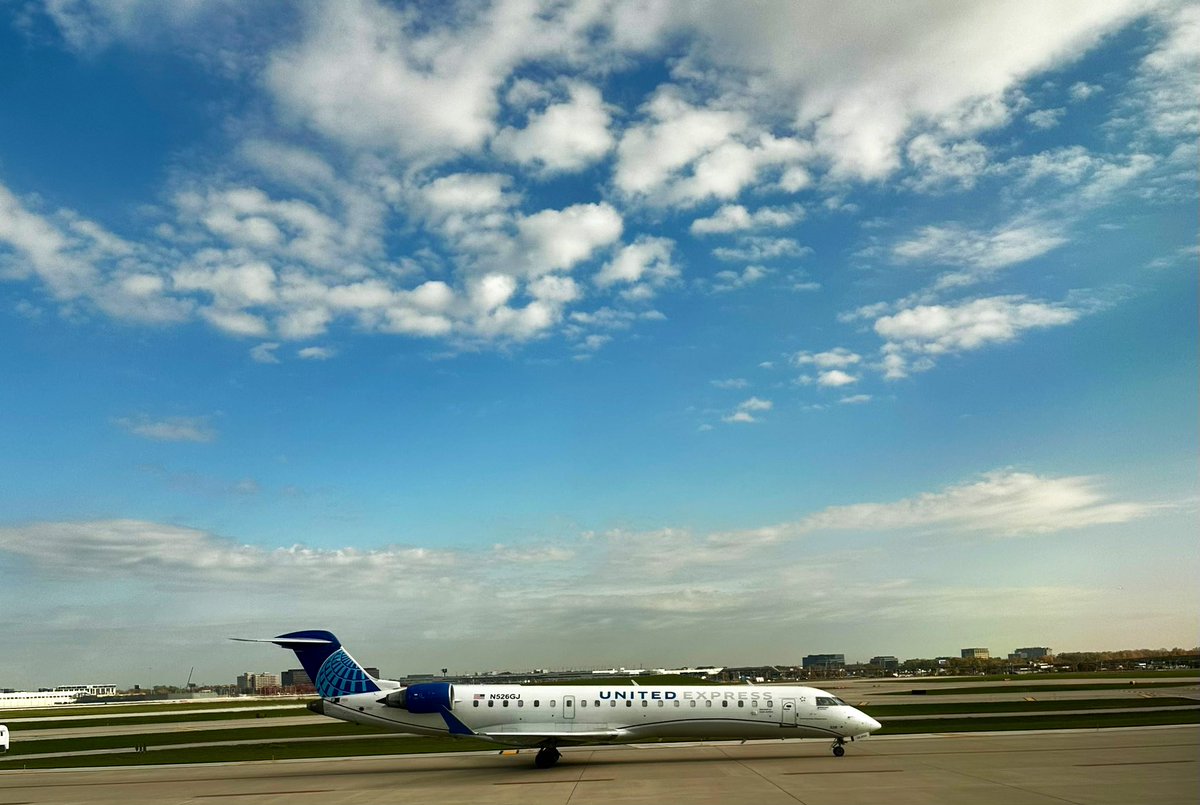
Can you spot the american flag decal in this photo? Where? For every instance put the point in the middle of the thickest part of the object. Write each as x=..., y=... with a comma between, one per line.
x=479, y=696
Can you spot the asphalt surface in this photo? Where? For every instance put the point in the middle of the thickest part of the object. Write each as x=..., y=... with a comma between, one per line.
x=1159, y=765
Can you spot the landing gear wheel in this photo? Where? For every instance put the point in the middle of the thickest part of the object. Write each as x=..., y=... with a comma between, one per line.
x=839, y=748
x=547, y=756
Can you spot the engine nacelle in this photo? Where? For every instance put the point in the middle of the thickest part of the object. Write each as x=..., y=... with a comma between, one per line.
x=427, y=697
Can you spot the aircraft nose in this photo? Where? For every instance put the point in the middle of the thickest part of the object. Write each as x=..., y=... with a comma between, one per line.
x=870, y=723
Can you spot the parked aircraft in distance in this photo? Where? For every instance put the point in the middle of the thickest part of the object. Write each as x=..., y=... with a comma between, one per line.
x=550, y=716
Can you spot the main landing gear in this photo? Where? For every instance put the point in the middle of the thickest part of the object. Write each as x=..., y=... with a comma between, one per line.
x=547, y=756
x=839, y=747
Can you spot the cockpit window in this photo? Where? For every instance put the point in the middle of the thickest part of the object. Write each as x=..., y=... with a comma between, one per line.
x=828, y=701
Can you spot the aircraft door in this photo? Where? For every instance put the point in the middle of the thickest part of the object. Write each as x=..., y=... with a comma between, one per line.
x=787, y=713
x=568, y=707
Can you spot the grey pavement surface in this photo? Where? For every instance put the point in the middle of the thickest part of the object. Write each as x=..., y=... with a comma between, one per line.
x=1159, y=765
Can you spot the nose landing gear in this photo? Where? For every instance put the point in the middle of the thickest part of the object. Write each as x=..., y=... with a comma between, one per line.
x=839, y=747
x=546, y=757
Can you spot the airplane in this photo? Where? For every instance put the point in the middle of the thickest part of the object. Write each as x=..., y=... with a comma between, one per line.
x=550, y=716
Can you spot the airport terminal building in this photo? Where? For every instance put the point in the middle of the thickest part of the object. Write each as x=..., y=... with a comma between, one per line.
x=63, y=694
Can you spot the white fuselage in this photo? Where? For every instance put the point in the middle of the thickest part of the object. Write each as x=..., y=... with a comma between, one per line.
x=525, y=715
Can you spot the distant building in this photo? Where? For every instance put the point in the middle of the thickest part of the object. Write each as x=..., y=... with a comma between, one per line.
x=372, y=671
x=976, y=654
x=253, y=683
x=63, y=694
x=1030, y=653
x=296, y=677
x=824, y=662
x=886, y=662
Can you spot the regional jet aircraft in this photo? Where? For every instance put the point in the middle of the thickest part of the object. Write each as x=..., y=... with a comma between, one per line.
x=550, y=716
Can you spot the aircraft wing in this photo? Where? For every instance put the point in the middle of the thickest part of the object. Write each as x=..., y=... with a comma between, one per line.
x=534, y=738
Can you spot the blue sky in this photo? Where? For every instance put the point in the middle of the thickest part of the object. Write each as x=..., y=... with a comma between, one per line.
x=502, y=334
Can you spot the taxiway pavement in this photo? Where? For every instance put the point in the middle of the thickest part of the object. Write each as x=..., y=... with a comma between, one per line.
x=1087, y=767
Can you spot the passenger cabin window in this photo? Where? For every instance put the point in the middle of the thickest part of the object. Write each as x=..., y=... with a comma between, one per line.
x=597, y=702
x=724, y=704
x=551, y=702
x=583, y=702
x=741, y=704
x=520, y=702
x=491, y=704
x=537, y=702
x=613, y=703
x=645, y=704
x=476, y=703
x=629, y=704
x=506, y=702
x=693, y=703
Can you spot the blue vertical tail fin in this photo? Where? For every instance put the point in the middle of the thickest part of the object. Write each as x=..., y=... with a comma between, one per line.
x=333, y=671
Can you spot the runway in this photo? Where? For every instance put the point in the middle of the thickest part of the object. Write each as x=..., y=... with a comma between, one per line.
x=1107, y=767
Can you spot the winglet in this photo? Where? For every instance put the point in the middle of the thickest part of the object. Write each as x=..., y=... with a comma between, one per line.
x=455, y=726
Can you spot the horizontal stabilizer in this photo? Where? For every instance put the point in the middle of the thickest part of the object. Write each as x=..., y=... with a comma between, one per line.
x=285, y=642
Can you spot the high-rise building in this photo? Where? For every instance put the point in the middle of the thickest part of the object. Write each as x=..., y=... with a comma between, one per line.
x=976, y=654
x=824, y=661
x=1030, y=653
x=886, y=662
x=253, y=683
x=296, y=677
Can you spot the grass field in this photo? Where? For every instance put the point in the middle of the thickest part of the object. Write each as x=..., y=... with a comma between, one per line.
x=384, y=745
x=1179, y=672
x=1110, y=686
x=163, y=718
x=922, y=709
x=161, y=707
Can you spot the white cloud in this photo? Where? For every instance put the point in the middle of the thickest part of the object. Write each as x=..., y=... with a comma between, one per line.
x=1082, y=90
x=865, y=75
x=559, y=239
x=933, y=330
x=1045, y=118
x=645, y=263
x=761, y=249
x=684, y=154
x=837, y=358
x=375, y=77
x=315, y=353
x=1004, y=503
x=265, y=352
x=980, y=254
x=564, y=137
x=731, y=383
x=855, y=399
x=746, y=410
x=835, y=378
x=169, y=429
x=940, y=165
x=725, y=281
x=736, y=218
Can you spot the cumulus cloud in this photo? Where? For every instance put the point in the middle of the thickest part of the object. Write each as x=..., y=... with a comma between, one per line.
x=736, y=218
x=559, y=239
x=926, y=331
x=726, y=280
x=564, y=137
x=836, y=358
x=747, y=409
x=980, y=254
x=643, y=266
